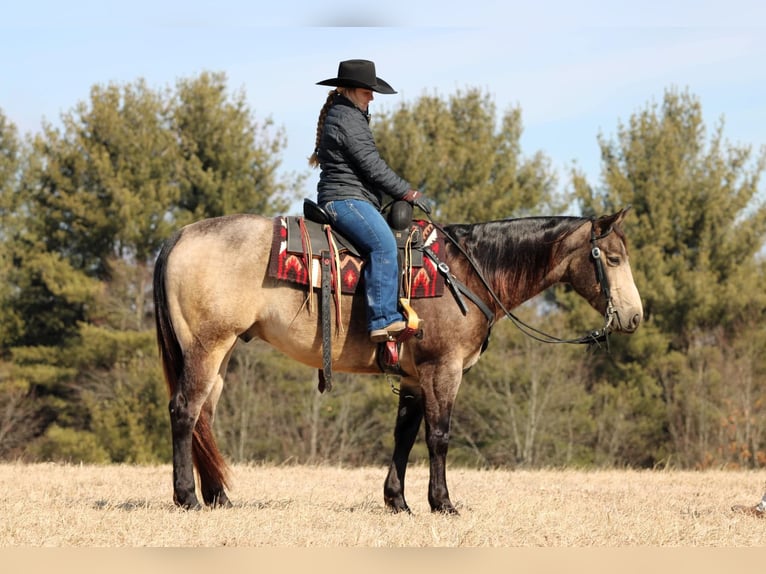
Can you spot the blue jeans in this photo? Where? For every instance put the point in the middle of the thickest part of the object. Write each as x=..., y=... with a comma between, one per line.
x=361, y=223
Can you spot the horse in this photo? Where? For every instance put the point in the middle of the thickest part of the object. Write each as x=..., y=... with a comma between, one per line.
x=212, y=289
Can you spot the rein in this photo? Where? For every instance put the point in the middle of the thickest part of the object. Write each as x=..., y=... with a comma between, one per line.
x=594, y=337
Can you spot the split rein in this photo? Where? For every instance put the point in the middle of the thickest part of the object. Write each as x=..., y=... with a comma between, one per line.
x=592, y=338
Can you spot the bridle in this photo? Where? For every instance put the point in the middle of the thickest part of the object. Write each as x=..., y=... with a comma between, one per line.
x=594, y=337
x=595, y=253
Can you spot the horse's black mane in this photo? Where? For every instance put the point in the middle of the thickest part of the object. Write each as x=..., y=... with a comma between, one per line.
x=491, y=240
x=514, y=251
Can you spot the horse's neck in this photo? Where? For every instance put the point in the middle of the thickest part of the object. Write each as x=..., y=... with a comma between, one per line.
x=525, y=262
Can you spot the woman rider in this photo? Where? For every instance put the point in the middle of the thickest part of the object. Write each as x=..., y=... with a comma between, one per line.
x=352, y=181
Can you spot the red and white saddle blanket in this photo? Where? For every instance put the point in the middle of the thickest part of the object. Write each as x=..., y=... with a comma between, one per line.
x=298, y=243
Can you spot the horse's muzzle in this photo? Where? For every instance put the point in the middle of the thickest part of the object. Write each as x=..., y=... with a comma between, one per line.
x=627, y=326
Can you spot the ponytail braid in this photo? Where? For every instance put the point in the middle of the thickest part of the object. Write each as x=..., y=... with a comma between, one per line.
x=314, y=160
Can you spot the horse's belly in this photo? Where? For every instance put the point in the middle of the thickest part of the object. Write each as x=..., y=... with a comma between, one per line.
x=350, y=353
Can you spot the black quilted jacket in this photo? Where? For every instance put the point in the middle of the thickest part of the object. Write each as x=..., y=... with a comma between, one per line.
x=349, y=159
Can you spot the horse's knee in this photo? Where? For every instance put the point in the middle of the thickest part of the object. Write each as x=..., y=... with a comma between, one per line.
x=177, y=406
x=438, y=440
x=181, y=419
x=409, y=413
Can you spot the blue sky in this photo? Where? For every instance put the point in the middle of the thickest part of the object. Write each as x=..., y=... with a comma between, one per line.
x=576, y=69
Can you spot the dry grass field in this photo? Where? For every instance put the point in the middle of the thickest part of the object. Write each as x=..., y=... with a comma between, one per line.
x=70, y=506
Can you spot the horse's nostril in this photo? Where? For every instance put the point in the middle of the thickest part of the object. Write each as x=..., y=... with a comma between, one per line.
x=636, y=321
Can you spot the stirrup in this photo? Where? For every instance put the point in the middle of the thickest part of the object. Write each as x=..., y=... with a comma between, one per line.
x=389, y=333
x=413, y=322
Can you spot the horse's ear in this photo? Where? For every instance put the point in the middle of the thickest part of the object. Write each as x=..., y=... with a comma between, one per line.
x=620, y=215
x=606, y=222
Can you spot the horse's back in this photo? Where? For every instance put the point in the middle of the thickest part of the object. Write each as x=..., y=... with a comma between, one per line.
x=227, y=250
x=229, y=231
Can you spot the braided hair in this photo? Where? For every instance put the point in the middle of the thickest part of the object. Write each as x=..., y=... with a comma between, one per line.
x=314, y=160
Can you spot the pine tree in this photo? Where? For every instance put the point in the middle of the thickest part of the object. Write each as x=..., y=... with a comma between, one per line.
x=228, y=162
x=95, y=199
x=465, y=159
x=698, y=227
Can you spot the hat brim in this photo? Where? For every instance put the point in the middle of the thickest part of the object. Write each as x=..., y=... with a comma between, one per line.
x=382, y=87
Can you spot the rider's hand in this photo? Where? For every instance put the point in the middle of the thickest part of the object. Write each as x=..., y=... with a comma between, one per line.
x=417, y=199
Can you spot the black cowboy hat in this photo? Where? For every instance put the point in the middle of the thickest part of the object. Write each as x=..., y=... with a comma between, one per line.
x=358, y=74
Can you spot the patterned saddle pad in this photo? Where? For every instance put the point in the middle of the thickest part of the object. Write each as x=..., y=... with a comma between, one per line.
x=296, y=238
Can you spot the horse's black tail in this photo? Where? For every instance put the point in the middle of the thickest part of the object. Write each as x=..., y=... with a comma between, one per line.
x=207, y=457
x=171, y=355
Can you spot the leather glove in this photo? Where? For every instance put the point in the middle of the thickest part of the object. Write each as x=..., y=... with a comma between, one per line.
x=418, y=200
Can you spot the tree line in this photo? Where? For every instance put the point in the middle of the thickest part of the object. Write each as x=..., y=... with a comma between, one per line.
x=85, y=206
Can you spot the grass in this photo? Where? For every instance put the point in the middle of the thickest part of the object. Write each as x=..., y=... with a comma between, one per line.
x=70, y=506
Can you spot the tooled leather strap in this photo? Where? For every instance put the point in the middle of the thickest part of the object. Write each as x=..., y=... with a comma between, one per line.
x=325, y=374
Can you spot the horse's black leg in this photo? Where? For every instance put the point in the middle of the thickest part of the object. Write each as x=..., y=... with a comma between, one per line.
x=182, y=425
x=440, y=384
x=213, y=493
x=210, y=479
x=437, y=439
x=408, y=419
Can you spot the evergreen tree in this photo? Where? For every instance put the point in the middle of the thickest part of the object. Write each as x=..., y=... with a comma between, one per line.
x=10, y=166
x=96, y=198
x=698, y=226
x=699, y=221
x=465, y=159
x=228, y=162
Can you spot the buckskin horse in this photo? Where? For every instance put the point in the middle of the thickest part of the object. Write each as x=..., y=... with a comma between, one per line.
x=212, y=288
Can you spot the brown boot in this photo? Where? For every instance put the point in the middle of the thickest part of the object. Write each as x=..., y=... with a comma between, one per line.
x=382, y=335
x=757, y=511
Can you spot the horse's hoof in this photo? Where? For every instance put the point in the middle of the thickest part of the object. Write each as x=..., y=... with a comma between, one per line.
x=757, y=511
x=447, y=509
x=190, y=503
x=222, y=504
x=219, y=500
x=396, y=508
x=399, y=509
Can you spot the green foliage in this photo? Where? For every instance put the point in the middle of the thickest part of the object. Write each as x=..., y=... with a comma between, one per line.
x=696, y=232
x=101, y=183
x=120, y=385
x=228, y=163
x=85, y=206
x=10, y=158
x=69, y=445
x=698, y=220
x=84, y=212
x=457, y=155
x=11, y=324
x=130, y=418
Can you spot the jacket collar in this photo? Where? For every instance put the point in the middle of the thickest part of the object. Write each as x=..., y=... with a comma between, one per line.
x=343, y=100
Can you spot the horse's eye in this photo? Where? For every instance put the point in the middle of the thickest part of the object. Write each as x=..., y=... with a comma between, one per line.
x=613, y=260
